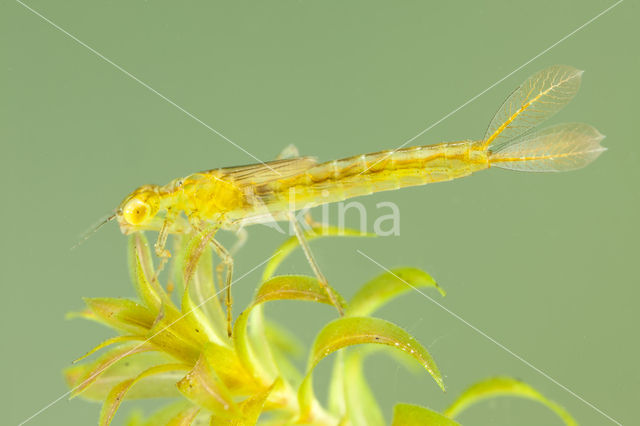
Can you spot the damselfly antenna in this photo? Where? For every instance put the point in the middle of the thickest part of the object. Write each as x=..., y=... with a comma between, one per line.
x=85, y=236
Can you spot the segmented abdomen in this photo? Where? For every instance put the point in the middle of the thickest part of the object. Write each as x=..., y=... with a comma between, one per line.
x=381, y=171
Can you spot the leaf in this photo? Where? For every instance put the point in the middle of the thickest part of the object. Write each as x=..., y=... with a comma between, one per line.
x=197, y=316
x=345, y=332
x=361, y=405
x=504, y=386
x=224, y=361
x=122, y=314
x=414, y=415
x=250, y=408
x=293, y=287
x=197, y=277
x=143, y=273
x=185, y=417
x=108, y=342
x=337, y=387
x=348, y=331
x=160, y=417
x=177, y=334
x=315, y=232
x=104, y=363
x=337, y=397
x=260, y=344
x=158, y=386
x=119, y=391
x=203, y=386
x=285, y=287
x=386, y=286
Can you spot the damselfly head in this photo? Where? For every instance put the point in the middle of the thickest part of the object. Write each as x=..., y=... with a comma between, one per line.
x=138, y=209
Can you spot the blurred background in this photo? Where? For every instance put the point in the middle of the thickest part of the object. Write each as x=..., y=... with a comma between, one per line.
x=546, y=264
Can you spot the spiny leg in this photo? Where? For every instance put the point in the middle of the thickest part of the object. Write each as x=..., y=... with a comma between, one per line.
x=312, y=261
x=226, y=262
x=159, y=247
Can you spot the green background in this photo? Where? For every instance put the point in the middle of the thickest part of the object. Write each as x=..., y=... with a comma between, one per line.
x=545, y=264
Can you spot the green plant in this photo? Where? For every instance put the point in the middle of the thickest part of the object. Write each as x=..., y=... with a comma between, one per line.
x=166, y=350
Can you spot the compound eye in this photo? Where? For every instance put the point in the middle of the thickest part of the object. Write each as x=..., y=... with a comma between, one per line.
x=136, y=211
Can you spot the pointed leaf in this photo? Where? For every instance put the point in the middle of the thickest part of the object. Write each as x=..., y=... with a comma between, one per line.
x=104, y=363
x=118, y=393
x=285, y=287
x=386, y=286
x=199, y=292
x=157, y=386
x=197, y=316
x=348, y=331
x=250, y=408
x=504, y=386
x=345, y=332
x=122, y=314
x=293, y=287
x=143, y=274
x=414, y=415
x=229, y=369
x=315, y=232
x=203, y=386
x=108, y=342
x=177, y=334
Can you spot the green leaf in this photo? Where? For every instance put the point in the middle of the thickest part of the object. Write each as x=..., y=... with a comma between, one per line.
x=143, y=274
x=203, y=386
x=177, y=334
x=285, y=287
x=361, y=405
x=197, y=316
x=250, y=408
x=504, y=386
x=315, y=232
x=108, y=342
x=337, y=398
x=119, y=391
x=228, y=368
x=81, y=383
x=414, y=415
x=260, y=344
x=122, y=314
x=158, y=386
x=161, y=417
x=184, y=417
x=293, y=287
x=386, y=286
x=202, y=286
x=199, y=292
x=349, y=331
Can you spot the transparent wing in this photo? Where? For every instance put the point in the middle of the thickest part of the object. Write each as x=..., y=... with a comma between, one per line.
x=538, y=98
x=263, y=173
x=558, y=148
